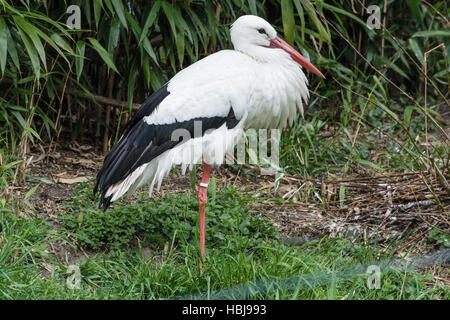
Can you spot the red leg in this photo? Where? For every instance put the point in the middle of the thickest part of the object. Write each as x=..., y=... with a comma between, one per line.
x=202, y=200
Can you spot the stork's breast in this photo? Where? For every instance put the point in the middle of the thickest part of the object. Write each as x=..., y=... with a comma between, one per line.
x=276, y=97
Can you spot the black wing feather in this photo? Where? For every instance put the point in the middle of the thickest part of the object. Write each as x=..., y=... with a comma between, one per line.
x=118, y=151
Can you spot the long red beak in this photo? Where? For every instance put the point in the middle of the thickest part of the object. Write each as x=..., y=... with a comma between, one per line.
x=280, y=43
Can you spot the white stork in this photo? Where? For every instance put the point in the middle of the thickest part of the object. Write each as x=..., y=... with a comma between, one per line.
x=259, y=85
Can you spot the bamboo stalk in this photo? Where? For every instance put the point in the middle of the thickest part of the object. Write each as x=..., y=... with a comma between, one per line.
x=108, y=107
x=384, y=27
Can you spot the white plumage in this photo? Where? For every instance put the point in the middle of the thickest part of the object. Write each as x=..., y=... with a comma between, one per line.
x=208, y=149
x=255, y=86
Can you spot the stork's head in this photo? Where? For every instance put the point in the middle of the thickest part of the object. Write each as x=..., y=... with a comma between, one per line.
x=255, y=36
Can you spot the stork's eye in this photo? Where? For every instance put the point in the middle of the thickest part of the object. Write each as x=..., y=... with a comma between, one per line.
x=262, y=31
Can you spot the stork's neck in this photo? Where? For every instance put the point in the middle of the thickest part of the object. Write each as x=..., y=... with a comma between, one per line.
x=265, y=54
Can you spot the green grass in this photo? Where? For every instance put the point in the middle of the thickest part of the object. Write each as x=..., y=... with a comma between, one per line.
x=245, y=262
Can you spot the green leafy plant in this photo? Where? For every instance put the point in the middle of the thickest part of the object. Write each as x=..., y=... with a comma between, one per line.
x=441, y=238
x=155, y=223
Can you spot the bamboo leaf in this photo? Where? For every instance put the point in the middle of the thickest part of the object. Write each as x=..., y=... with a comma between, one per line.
x=383, y=91
x=287, y=16
x=30, y=30
x=178, y=36
x=20, y=119
x=323, y=34
x=416, y=49
x=135, y=28
x=348, y=14
x=301, y=15
x=32, y=54
x=150, y=20
x=432, y=33
x=179, y=41
x=61, y=27
x=407, y=115
x=79, y=59
x=252, y=5
x=199, y=25
x=109, y=6
x=12, y=50
x=212, y=22
x=168, y=11
x=30, y=132
x=3, y=44
x=393, y=66
x=51, y=42
x=113, y=38
x=118, y=7
x=389, y=111
x=62, y=43
x=182, y=25
x=414, y=9
x=87, y=12
x=103, y=53
x=97, y=9
x=138, y=34
x=149, y=49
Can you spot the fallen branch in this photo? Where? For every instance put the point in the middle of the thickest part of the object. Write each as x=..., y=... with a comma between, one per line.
x=111, y=101
x=100, y=99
